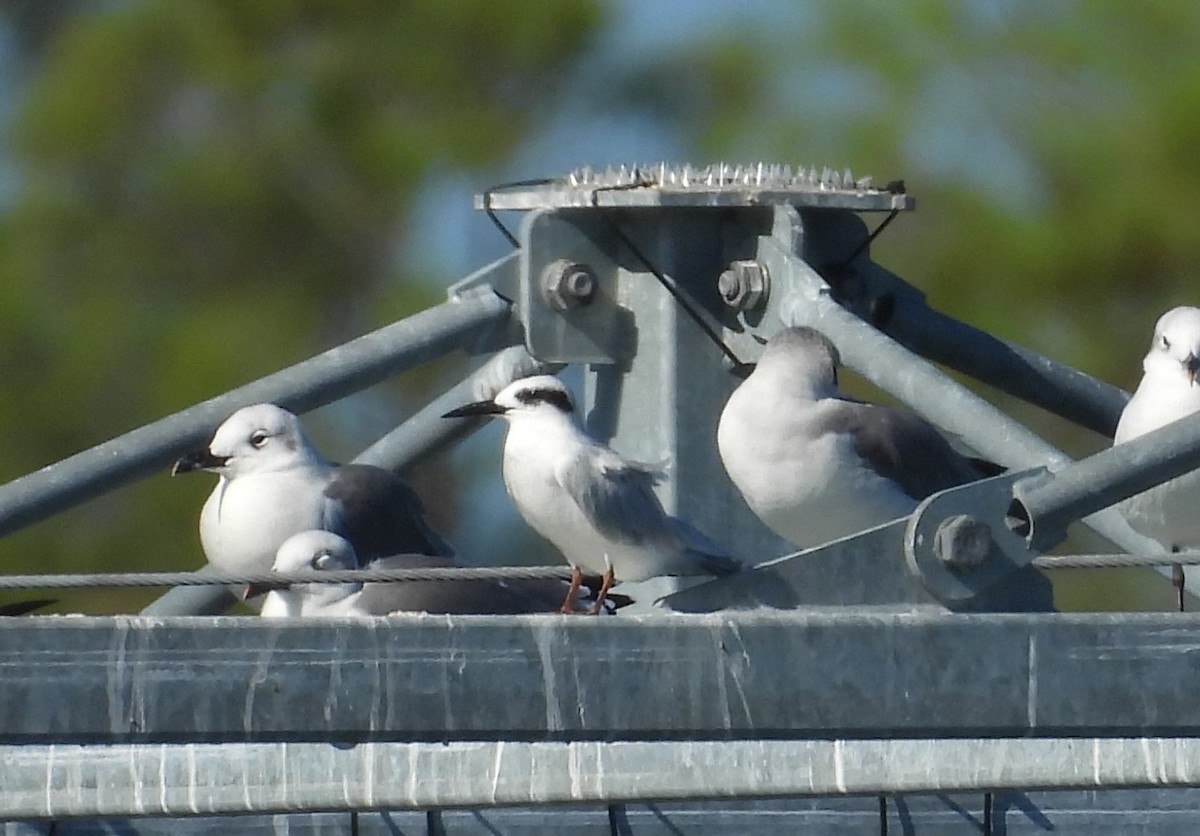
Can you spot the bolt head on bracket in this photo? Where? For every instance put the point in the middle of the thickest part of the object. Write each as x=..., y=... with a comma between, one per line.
x=568, y=284
x=959, y=541
x=745, y=286
x=962, y=542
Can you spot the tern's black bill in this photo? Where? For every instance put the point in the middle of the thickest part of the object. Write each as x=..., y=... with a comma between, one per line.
x=200, y=460
x=476, y=409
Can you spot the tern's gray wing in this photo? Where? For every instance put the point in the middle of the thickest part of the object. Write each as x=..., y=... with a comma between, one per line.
x=901, y=446
x=470, y=597
x=380, y=514
x=615, y=496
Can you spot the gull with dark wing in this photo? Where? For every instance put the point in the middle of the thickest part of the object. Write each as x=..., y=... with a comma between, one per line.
x=1167, y=392
x=324, y=550
x=274, y=483
x=816, y=466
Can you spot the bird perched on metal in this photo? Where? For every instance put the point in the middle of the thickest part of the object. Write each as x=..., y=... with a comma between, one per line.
x=816, y=466
x=324, y=550
x=273, y=484
x=598, y=509
x=1167, y=392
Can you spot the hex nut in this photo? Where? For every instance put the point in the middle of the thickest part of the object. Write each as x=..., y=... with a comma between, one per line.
x=568, y=284
x=745, y=285
x=962, y=542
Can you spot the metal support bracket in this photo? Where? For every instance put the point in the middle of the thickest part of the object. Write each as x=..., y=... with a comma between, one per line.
x=960, y=542
x=568, y=285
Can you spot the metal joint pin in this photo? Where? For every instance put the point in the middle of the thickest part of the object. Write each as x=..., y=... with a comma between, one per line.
x=962, y=542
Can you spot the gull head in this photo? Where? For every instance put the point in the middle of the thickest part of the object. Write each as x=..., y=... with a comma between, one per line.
x=315, y=549
x=540, y=395
x=803, y=357
x=255, y=439
x=1176, y=346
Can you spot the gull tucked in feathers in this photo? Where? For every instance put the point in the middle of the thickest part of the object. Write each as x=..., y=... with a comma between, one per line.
x=816, y=466
x=324, y=550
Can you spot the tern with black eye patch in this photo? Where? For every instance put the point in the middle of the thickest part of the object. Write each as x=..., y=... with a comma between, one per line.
x=598, y=509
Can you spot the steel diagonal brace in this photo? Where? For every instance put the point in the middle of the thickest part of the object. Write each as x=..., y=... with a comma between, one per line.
x=802, y=297
x=961, y=541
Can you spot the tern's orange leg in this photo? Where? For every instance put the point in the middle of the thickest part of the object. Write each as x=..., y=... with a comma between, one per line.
x=568, y=605
x=605, y=585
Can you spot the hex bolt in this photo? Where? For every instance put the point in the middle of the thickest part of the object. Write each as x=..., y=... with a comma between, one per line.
x=745, y=285
x=568, y=284
x=962, y=542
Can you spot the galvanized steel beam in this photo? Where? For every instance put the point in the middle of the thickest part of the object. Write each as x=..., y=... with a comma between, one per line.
x=60, y=781
x=877, y=672
x=427, y=433
x=319, y=380
x=835, y=245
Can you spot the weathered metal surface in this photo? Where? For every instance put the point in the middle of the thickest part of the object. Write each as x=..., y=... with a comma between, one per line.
x=221, y=779
x=753, y=675
x=1145, y=812
x=865, y=569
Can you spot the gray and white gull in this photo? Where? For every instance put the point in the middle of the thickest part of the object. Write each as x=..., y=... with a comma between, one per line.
x=816, y=466
x=1167, y=392
x=273, y=483
x=324, y=550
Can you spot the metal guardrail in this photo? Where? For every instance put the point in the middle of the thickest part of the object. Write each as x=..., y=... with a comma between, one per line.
x=575, y=710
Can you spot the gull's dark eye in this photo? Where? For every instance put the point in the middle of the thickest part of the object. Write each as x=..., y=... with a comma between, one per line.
x=259, y=438
x=1164, y=342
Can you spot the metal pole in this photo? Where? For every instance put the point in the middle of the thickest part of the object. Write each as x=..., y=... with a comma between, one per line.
x=192, y=600
x=319, y=380
x=1108, y=477
x=900, y=310
x=1055, y=387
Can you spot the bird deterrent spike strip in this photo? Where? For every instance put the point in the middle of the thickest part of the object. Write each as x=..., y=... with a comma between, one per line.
x=720, y=176
x=718, y=185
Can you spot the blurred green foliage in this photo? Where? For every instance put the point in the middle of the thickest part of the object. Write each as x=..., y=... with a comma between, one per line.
x=209, y=191
x=1050, y=146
